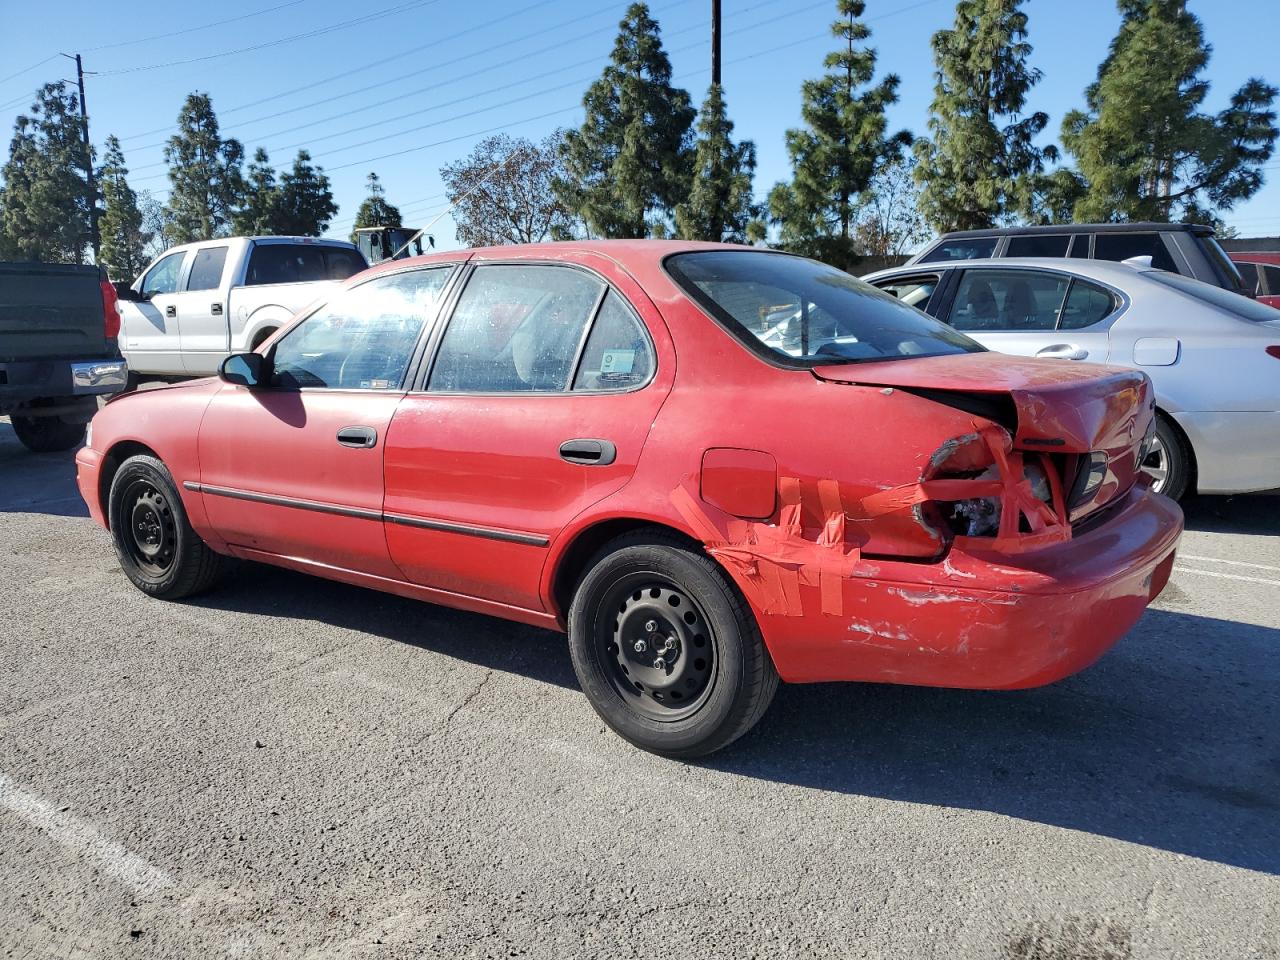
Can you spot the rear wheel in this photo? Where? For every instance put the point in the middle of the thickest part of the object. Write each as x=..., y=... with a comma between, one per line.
x=1168, y=461
x=154, y=541
x=666, y=649
x=47, y=434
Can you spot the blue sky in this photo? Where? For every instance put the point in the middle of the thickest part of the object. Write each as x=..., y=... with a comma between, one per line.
x=412, y=84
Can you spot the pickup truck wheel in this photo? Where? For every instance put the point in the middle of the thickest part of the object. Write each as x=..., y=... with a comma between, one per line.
x=666, y=649
x=153, y=539
x=47, y=434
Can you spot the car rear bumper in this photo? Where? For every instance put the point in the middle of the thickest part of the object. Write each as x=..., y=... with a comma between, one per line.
x=88, y=466
x=987, y=621
x=1236, y=452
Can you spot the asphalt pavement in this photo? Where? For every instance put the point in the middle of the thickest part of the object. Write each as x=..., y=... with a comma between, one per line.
x=293, y=768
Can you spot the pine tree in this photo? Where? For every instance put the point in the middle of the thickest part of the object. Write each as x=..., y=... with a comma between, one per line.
x=304, y=204
x=257, y=214
x=1143, y=149
x=44, y=204
x=124, y=241
x=375, y=211
x=628, y=165
x=977, y=168
x=841, y=148
x=204, y=170
x=720, y=205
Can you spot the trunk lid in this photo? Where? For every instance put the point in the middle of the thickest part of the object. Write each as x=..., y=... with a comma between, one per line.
x=50, y=310
x=1062, y=409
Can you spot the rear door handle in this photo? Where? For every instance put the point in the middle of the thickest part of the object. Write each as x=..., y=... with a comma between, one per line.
x=361, y=437
x=592, y=453
x=215, y=309
x=1063, y=351
x=171, y=311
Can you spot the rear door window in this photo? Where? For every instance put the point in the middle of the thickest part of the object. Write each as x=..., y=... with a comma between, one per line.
x=980, y=248
x=1039, y=245
x=206, y=269
x=1087, y=304
x=618, y=355
x=1122, y=246
x=163, y=277
x=913, y=291
x=1270, y=281
x=1011, y=300
x=517, y=329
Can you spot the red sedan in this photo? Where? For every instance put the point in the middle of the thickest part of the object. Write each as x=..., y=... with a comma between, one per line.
x=715, y=467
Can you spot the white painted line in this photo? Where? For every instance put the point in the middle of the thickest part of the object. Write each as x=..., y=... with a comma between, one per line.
x=1234, y=563
x=84, y=839
x=1226, y=576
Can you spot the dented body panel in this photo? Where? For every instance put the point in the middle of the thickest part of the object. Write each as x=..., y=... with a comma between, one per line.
x=846, y=501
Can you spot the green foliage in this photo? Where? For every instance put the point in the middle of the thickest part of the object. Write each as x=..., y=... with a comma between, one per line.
x=628, y=165
x=841, y=148
x=976, y=169
x=256, y=215
x=1143, y=149
x=504, y=192
x=44, y=205
x=375, y=211
x=204, y=171
x=720, y=205
x=304, y=203
x=124, y=240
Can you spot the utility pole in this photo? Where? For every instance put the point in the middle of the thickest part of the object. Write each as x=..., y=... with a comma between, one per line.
x=94, y=237
x=715, y=42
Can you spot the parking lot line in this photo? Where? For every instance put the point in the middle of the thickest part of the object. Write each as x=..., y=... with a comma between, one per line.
x=1226, y=576
x=80, y=837
x=1234, y=563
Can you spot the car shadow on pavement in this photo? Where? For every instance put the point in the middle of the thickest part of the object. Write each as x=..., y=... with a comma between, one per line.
x=1170, y=741
x=37, y=482
x=1256, y=514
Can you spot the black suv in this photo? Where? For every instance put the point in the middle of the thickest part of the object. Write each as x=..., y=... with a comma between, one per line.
x=1185, y=248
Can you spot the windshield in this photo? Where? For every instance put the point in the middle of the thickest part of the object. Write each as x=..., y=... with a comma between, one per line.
x=799, y=312
x=1237, y=303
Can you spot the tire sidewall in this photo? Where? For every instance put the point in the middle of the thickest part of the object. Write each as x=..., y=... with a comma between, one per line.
x=142, y=467
x=720, y=711
x=1177, y=480
x=47, y=434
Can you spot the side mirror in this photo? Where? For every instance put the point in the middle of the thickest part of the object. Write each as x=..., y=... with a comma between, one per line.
x=125, y=291
x=245, y=370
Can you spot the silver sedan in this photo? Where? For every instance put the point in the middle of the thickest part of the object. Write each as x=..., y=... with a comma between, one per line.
x=1213, y=355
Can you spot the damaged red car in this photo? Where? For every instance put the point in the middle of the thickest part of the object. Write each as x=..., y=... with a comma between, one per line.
x=714, y=467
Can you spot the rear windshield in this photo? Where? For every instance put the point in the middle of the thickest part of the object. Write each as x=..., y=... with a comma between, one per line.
x=1222, y=264
x=802, y=313
x=301, y=263
x=1237, y=303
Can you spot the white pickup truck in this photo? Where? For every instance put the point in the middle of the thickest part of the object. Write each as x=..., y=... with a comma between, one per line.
x=201, y=301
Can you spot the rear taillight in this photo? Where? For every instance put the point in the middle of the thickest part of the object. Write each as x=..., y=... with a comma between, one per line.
x=1093, y=471
x=110, y=310
x=1274, y=350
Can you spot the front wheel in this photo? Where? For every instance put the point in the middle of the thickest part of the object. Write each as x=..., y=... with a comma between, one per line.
x=666, y=649
x=154, y=541
x=47, y=434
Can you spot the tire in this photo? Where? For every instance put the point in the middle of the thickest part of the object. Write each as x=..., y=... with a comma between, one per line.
x=153, y=539
x=1169, y=461
x=716, y=680
x=47, y=434
x=262, y=337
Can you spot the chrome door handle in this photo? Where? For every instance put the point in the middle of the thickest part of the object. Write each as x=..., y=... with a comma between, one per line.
x=1063, y=351
x=359, y=437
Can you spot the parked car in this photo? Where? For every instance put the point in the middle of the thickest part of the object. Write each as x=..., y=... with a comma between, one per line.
x=1184, y=248
x=199, y=302
x=58, y=353
x=593, y=437
x=1211, y=354
x=1260, y=272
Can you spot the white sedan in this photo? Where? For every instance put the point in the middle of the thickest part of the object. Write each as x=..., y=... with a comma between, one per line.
x=1213, y=355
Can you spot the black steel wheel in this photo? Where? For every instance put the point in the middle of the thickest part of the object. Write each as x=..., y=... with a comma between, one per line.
x=667, y=650
x=157, y=548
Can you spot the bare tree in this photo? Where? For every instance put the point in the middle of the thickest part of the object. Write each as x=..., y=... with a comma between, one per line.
x=503, y=192
x=889, y=221
x=157, y=222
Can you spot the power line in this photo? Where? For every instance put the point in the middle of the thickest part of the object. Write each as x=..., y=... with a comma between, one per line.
x=203, y=26
x=319, y=31
x=28, y=69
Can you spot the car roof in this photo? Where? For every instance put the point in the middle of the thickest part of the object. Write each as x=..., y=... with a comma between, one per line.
x=621, y=252
x=1074, y=228
x=1109, y=271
